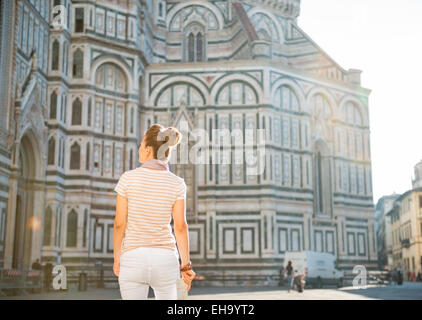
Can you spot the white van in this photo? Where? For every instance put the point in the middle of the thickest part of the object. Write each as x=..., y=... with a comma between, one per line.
x=318, y=267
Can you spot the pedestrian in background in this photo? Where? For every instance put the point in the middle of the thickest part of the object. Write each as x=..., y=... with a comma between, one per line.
x=393, y=276
x=289, y=272
x=48, y=275
x=399, y=276
x=36, y=265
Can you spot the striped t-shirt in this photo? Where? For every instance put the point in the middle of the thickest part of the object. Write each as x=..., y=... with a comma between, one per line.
x=151, y=195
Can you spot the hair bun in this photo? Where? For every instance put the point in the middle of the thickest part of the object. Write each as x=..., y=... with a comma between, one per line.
x=173, y=136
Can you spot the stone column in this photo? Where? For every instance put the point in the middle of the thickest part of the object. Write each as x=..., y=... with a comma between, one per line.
x=211, y=235
x=307, y=226
x=341, y=236
x=10, y=221
x=38, y=216
x=267, y=234
x=7, y=37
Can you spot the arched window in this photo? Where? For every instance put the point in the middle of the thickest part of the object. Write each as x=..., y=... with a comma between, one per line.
x=286, y=99
x=72, y=227
x=236, y=93
x=51, y=151
x=195, y=46
x=78, y=63
x=178, y=94
x=55, y=55
x=77, y=112
x=321, y=107
x=110, y=77
x=47, y=226
x=53, y=105
x=75, y=157
x=352, y=114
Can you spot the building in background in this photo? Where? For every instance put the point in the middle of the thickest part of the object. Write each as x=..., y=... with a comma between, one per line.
x=406, y=225
x=383, y=230
x=76, y=100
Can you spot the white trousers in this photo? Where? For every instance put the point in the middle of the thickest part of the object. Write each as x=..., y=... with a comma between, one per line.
x=142, y=267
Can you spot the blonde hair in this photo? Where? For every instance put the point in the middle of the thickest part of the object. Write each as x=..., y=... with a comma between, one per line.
x=162, y=140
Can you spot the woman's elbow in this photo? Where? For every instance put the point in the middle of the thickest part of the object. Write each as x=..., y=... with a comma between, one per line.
x=119, y=226
x=181, y=227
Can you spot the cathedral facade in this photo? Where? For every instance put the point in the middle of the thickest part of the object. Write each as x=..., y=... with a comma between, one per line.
x=82, y=80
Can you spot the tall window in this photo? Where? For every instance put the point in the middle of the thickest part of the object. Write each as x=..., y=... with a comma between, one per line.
x=78, y=63
x=79, y=20
x=131, y=159
x=199, y=47
x=61, y=153
x=55, y=55
x=51, y=151
x=131, y=120
x=195, y=43
x=58, y=227
x=75, y=156
x=72, y=227
x=47, y=226
x=87, y=156
x=322, y=170
x=85, y=228
x=89, y=112
x=161, y=9
x=191, y=47
x=65, y=57
x=53, y=105
x=77, y=112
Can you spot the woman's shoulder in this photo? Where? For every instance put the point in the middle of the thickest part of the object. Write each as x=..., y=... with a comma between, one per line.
x=131, y=173
x=176, y=177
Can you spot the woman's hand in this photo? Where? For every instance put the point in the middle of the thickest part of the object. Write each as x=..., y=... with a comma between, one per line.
x=188, y=276
x=116, y=266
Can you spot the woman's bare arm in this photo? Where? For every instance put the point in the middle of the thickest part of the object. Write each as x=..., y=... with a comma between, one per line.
x=181, y=230
x=120, y=222
x=182, y=238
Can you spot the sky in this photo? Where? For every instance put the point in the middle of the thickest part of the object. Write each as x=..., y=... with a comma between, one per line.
x=383, y=38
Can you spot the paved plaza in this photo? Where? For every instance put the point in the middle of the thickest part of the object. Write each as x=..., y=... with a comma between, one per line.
x=405, y=292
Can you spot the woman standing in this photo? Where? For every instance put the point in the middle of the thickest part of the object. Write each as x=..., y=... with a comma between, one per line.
x=145, y=251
